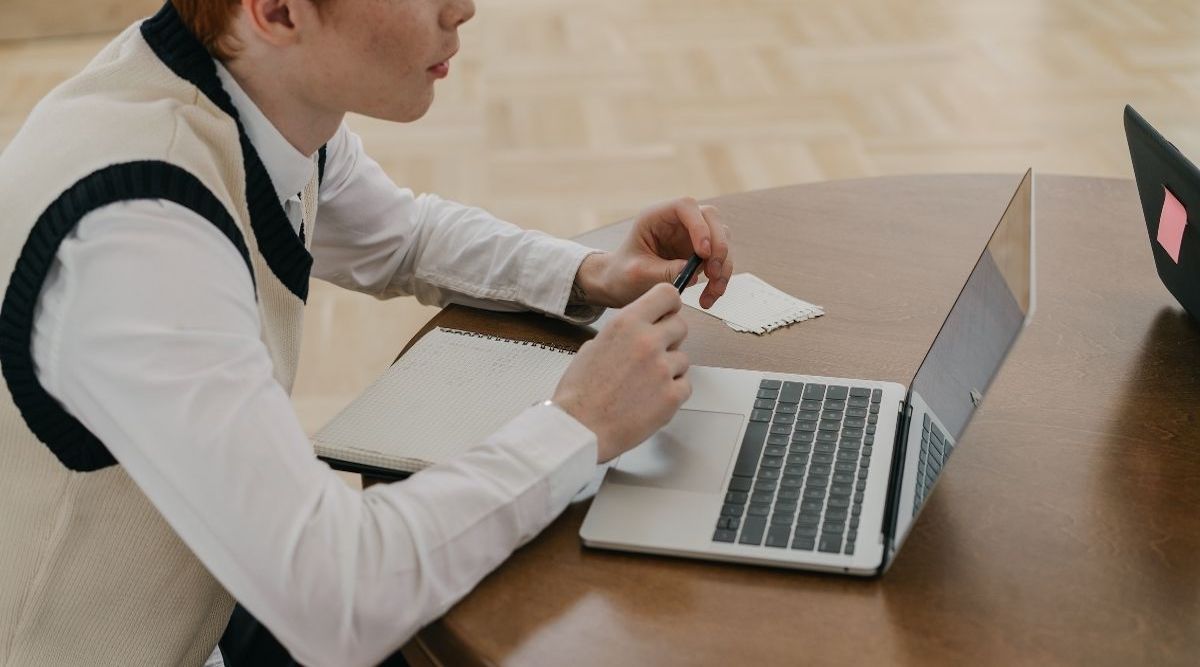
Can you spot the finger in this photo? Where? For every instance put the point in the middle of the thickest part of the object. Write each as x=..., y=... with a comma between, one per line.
x=682, y=388
x=677, y=363
x=686, y=211
x=657, y=302
x=716, y=287
x=719, y=233
x=673, y=268
x=673, y=330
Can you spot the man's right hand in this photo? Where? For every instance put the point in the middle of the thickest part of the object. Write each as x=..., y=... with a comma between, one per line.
x=629, y=380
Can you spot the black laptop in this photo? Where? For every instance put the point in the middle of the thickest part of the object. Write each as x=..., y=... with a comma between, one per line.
x=1169, y=187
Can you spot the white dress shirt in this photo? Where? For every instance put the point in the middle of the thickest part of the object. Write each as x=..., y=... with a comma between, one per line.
x=147, y=331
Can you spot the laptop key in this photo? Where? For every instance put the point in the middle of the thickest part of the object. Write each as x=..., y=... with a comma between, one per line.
x=851, y=412
x=830, y=544
x=783, y=418
x=731, y=510
x=769, y=384
x=825, y=447
x=782, y=519
x=752, y=444
x=874, y=408
x=768, y=394
x=777, y=440
x=876, y=395
x=849, y=550
x=766, y=485
x=729, y=523
x=858, y=402
x=811, y=404
x=854, y=522
x=752, y=530
x=775, y=450
x=768, y=474
x=762, y=497
x=740, y=483
x=814, y=391
x=764, y=404
x=836, y=392
x=827, y=436
x=791, y=391
x=807, y=427
x=838, y=406
x=772, y=462
x=781, y=429
x=735, y=498
x=791, y=482
x=757, y=510
x=803, y=437
x=860, y=392
x=806, y=530
x=778, y=536
x=804, y=543
x=723, y=535
x=760, y=416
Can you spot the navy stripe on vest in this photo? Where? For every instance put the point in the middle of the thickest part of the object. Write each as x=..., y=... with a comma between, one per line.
x=179, y=50
x=74, y=445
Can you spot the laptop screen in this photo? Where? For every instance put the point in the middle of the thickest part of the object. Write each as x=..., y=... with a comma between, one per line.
x=982, y=325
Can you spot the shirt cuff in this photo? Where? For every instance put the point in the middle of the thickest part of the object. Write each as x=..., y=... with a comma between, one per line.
x=556, y=443
x=550, y=275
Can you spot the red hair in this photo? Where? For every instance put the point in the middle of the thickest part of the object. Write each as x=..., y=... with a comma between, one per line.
x=209, y=21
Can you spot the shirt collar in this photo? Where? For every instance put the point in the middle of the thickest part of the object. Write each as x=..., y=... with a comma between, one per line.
x=289, y=169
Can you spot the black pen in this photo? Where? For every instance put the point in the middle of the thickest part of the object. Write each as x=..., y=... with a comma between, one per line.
x=685, y=276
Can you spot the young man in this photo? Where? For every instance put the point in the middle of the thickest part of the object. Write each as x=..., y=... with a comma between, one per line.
x=164, y=212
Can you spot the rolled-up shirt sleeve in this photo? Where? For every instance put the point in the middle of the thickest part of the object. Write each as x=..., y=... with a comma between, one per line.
x=375, y=237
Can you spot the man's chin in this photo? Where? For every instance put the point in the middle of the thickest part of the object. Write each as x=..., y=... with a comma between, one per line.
x=403, y=113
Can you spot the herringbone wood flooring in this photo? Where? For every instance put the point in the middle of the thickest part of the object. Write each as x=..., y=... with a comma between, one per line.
x=564, y=115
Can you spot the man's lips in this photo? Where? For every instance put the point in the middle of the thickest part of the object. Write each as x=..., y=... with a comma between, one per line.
x=443, y=68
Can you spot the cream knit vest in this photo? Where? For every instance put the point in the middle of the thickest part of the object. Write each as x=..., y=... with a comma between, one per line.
x=90, y=573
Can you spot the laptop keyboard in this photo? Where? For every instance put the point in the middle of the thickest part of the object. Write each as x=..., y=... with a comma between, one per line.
x=802, y=468
x=935, y=449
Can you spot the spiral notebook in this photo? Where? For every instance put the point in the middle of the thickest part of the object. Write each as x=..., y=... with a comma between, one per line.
x=447, y=394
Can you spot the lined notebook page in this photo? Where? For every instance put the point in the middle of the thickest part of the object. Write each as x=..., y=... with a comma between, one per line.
x=448, y=393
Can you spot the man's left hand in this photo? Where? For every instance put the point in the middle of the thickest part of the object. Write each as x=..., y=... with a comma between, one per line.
x=663, y=238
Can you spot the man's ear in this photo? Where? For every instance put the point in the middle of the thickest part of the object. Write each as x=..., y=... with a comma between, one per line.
x=277, y=22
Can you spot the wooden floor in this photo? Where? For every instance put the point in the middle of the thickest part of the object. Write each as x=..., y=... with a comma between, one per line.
x=564, y=115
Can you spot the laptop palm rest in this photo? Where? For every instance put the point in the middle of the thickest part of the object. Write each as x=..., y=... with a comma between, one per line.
x=691, y=453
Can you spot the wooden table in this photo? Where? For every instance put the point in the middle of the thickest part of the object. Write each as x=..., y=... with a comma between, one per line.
x=1067, y=529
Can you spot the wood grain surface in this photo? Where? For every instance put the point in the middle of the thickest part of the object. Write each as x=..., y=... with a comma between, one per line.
x=1066, y=530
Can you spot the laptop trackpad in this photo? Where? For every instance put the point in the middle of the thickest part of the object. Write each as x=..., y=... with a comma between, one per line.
x=690, y=453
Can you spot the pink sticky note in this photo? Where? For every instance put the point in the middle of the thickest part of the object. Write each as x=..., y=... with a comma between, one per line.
x=1171, y=224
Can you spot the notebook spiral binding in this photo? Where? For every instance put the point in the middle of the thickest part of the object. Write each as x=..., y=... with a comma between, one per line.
x=475, y=334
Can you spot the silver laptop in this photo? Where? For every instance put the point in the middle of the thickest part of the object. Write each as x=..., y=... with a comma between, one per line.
x=819, y=473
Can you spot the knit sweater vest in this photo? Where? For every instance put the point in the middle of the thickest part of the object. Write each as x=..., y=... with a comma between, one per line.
x=91, y=573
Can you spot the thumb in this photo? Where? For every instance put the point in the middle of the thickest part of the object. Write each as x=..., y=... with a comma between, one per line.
x=673, y=268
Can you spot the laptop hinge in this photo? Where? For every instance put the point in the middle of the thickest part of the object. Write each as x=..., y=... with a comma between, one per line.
x=892, y=508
